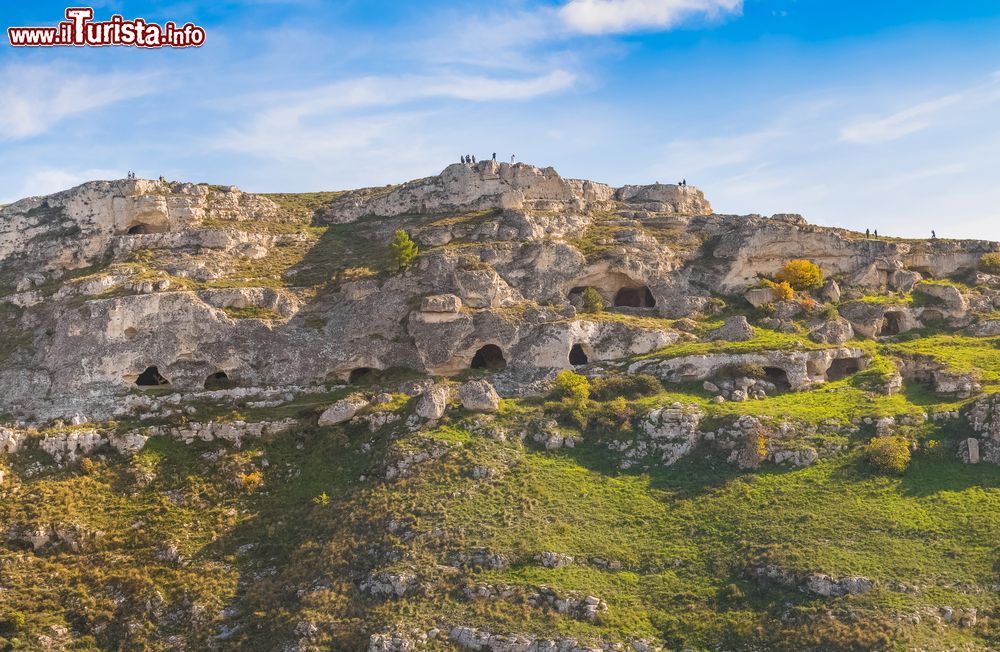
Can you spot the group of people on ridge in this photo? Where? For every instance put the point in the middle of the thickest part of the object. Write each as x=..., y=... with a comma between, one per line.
x=470, y=159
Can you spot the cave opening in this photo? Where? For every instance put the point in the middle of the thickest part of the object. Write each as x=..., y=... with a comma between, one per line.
x=489, y=357
x=890, y=324
x=151, y=378
x=360, y=374
x=777, y=377
x=842, y=368
x=218, y=380
x=635, y=297
x=577, y=355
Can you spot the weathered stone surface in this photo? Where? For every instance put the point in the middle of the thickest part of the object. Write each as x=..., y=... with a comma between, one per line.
x=758, y=297
x=343, y=410
x=433, y=402
x=950, y=296
x=441, y=303
x=837, y=331
x=733, y=329
x=479, y=396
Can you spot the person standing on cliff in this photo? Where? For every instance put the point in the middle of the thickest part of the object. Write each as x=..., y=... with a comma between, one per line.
x=494, y=157
x=512, y=159
x=473, y=159
x=868, y=233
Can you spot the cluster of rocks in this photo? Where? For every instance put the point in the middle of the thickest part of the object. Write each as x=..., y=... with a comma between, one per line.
x=578, y=607
x=70, y=536
x=665, y=434
x=740, y=389
x=403, y=456
x=385, y=584
x=816, y=583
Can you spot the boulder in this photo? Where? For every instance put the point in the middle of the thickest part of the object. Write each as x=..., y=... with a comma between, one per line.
x=904, y=280
x=343, y=410
x=733, y=329
x=988, y=328
x=479, y=396
x=836, y=331
x=949, y=295
x=968, y=450
x=441, y=303
x=830, y=291
x=758, y=297
x=433, y=402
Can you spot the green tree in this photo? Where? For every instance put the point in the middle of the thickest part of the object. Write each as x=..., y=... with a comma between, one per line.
x=404, y=249
x=592, y=300
x=889, y=454
x=990, y=263
x=571, y=385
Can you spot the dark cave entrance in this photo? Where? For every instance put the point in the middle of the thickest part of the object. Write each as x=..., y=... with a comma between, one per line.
x=842, y=368
x=639, y=297
x=890, y=324
x=138, y=229
x=151, y=378
x=360, y=375
x=489, y=357
x=577, y=355
x=218, y=380
x=777, y=377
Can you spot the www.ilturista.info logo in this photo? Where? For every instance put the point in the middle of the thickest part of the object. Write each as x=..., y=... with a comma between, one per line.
x=79, y=30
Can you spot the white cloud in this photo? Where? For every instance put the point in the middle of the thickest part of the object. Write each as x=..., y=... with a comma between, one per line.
x=618, y=16
x=36, y=98
x=922, y=116
x=322, y=121
x=46, y=181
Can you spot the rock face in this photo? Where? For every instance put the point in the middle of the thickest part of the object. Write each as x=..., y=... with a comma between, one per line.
x=433, y=402
x=115, y=284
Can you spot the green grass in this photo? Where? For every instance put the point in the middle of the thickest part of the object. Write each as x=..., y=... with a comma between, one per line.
x=763, y=340
x=958, y=353
x=252, y=312
x=302, y=206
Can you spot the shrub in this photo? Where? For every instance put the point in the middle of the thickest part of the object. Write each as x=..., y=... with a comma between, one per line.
x=800, y=274
x=628, y=386
x=252, y=481
x=321, y=499
x=571, y=385
x=573, y=406
x=404, y=249
x=13, y=621
x=592, y=300
x=780, y=291
x=615, y=415
x=889, y=454
x=990, y=263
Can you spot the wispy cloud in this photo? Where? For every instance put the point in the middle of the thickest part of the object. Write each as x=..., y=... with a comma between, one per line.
x=921, y=116
x=322, y=120
x=618, y=16
x=36, y=98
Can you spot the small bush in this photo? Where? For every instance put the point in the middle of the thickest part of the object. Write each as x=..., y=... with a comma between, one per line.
x=321, y=499
x=592, y=300
x=890, y=454
x=800, y=274
x=780, y=291
x=628, y=386
x=404, y=249
x=732, y=593
x=252, y=481
x=990, y=263
x=571, y=385
x=13, y=621
x=615, y=416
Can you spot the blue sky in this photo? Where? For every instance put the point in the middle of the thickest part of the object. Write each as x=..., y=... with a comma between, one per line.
x=880, y=114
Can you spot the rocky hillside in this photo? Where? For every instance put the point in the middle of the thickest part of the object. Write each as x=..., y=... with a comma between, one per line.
x=581, y=418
